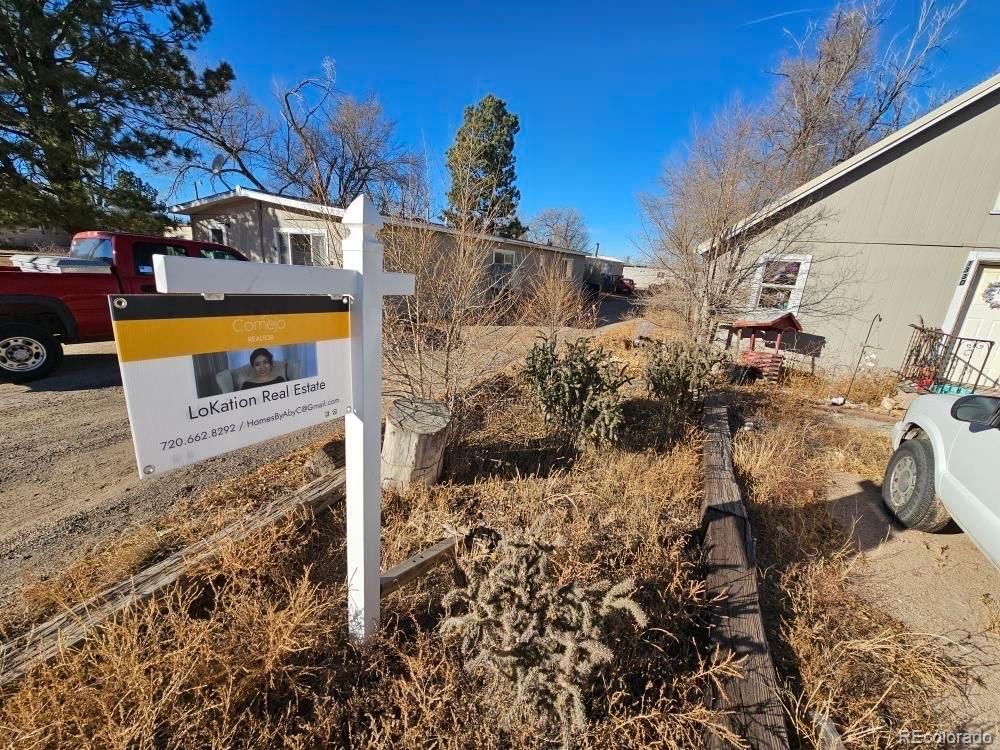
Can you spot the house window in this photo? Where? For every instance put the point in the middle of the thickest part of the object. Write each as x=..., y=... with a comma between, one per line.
x=780, y=282
x=503, y=258
x=300, y=248
x=217, y=235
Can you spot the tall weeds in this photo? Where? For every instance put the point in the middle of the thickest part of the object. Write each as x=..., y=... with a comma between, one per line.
x=842, y=657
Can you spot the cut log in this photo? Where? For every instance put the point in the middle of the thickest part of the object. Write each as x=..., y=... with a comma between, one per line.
x=416, y=431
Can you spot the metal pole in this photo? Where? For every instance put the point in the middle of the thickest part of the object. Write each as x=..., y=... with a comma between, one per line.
x=847, y=396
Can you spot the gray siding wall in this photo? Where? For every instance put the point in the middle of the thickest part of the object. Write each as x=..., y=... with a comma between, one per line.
x=250, y=227
x=903, y=283
x=899, y=231
x=938, y=189
x=241, y=225
x=534, y=258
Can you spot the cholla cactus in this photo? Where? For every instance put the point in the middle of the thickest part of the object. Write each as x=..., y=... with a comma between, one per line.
x=678, y=374
x=577, y=392
x=539, y=642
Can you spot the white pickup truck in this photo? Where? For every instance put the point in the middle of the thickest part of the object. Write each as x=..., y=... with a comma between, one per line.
x=945, y=466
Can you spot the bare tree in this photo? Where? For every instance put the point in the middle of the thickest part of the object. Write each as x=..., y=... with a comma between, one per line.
x=560, y=227
x=448, y=333
x=711, y=226
x=322, y=146
x=840, y=92
x=335, y=148
x=694, y=222
x=232, y=126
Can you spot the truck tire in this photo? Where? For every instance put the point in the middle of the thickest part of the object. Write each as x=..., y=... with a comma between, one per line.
x=27, y=352
x=908, y=489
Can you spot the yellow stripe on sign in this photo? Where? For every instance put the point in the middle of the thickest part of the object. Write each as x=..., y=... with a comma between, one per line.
x=175, y=337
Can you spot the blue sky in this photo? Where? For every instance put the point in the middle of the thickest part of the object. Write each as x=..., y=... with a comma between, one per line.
x=605, y=91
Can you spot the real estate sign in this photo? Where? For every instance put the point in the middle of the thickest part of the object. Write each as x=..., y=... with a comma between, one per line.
x=204, y=376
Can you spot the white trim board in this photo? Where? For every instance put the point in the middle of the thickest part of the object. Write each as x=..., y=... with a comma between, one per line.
x=242, y=192
x=976, y=259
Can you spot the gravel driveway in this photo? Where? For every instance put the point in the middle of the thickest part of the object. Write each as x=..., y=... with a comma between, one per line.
x=67, y=471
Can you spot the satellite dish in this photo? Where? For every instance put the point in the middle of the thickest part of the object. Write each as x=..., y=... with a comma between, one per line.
x=217, y=163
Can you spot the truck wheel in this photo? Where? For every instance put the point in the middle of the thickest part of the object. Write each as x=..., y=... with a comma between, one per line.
x=908, y=489
x=27, y=352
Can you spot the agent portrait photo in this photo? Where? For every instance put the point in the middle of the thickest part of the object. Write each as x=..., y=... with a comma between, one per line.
x=262, y=363
x=227, y=372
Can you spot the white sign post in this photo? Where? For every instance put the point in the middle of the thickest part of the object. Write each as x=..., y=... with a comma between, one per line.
x=364, y=281
x=362, y=253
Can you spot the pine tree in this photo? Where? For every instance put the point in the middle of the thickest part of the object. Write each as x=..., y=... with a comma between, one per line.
x=481, y=164
x=132, y=205
x=85, y=88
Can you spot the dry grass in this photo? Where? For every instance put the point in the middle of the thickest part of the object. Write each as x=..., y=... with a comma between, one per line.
x=667, y=322
x=113, y=560
x=870, y=386
x=252, y=652
x=841, y=656
x=855, y=450
x=855, y=664
x=990, y=614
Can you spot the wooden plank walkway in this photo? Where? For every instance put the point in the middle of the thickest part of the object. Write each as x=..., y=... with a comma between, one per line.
x=70, y=628
x=755, y=712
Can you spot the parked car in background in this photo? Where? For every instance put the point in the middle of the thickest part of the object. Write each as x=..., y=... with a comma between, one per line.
x=624, y=286
x=944, y=467
x=48, y=301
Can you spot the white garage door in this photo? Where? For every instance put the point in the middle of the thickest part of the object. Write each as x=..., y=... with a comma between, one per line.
x=982, y=319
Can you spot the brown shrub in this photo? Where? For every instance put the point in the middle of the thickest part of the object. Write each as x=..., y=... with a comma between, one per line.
x=555, y=302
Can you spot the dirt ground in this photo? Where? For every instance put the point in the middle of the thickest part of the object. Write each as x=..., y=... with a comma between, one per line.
x=67, y=471
x=939, y=584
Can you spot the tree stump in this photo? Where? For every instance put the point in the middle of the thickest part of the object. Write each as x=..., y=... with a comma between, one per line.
x=416, y=431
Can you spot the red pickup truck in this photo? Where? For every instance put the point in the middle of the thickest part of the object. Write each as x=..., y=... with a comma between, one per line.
x=48, y=301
